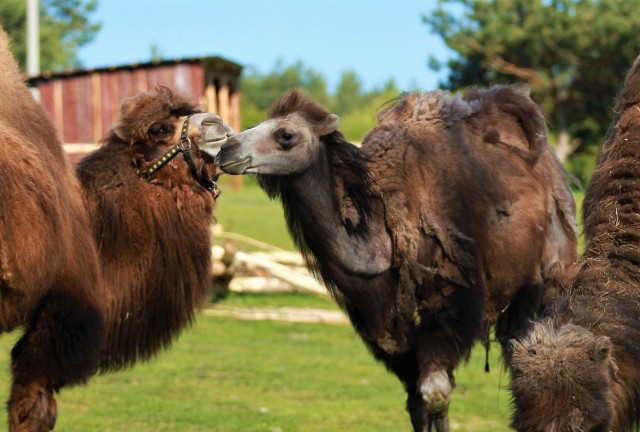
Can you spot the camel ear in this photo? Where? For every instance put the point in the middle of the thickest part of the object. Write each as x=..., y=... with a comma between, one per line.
x=328, y=125
x=601, y=348
x=120, y=131
x=125, y=106
x=517, y=348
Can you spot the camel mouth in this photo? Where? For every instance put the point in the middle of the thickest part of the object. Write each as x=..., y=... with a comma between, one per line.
x=217, y=141
x=239, y=167
x=212, y=145
x=212, y=134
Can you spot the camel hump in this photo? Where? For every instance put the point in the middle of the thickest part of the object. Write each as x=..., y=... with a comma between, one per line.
x=439, y=109
x=507, y=103
x=630, y=94
x=5, y=53
x=10, y=73
x=436, y=107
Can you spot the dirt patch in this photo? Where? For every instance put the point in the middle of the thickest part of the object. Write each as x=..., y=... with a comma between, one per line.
x=280, y=314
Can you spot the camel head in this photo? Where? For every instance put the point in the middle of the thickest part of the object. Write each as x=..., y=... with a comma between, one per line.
x=286, y=143
x=157, y=119
x=561, y=380
x=160, y=125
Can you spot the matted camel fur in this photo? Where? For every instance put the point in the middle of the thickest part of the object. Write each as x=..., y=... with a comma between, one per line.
x=99, y=267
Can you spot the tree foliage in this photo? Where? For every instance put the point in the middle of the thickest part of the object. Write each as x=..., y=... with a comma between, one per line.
x=573, y=54
x=65, y=25
x=355, y=105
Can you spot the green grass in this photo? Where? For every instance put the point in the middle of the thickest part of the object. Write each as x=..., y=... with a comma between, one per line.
x=231, y=375
x=249, y=211
x=294, y=300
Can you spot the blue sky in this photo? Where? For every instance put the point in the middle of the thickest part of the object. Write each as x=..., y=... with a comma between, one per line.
x=378, y=39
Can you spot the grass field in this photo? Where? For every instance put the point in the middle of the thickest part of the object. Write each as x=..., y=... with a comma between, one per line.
x=248, y=211
x=230, y=375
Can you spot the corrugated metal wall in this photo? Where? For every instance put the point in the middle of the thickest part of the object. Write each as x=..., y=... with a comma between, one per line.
x=84, y=107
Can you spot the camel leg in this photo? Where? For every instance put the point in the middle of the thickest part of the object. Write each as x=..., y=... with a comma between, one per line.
x=417, y=412
x=60, y=347
x=445, y=337
x=514, y=322
x=32, y=408
x=428, y=407
x=435, y=390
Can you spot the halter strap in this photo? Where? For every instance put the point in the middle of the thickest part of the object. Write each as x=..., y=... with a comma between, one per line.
x=184, y=147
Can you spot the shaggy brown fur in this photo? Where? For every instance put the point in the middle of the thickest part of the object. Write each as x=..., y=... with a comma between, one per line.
x=579, y=369
x=457, y=187
x=49, y=277
x=104, y=271
x=153, y=237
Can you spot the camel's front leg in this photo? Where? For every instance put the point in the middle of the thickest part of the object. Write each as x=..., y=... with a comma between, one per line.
x=60, y=347
x=436, y=394
x=429, y=405
x=446, y=335
x=31, y=408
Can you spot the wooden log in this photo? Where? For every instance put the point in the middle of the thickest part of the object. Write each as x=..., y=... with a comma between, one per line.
x=282, y=257
x=260, y=284
x=271, y=270
x=299, y=280
x=218, y=233
x=281, y=314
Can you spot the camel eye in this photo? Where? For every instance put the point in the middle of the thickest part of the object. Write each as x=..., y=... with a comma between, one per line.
x=599, y=428
x=159, y=129
x=285, y=138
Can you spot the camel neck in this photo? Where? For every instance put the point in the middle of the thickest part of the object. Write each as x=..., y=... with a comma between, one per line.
x=611, y=205
x=323, y=220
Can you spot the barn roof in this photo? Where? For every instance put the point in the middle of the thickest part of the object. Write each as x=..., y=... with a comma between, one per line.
x=216, y=63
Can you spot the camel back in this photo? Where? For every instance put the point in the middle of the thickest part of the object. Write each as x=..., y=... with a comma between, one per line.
x=21, y=111
x=43, y=228
x=459, y=159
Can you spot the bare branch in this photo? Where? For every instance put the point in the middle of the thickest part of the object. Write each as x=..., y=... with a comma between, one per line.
x=500, y=65
x=562, y=52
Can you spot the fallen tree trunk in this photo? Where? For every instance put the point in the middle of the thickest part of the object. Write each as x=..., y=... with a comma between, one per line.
x=272, y=271
x=280, y=314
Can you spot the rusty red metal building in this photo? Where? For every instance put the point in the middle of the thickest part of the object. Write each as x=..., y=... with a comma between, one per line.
x=84, y=103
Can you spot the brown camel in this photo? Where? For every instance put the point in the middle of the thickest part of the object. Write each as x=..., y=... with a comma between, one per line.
x=578, y=369
x=153, y=236
x=453, y=216
x=101, y=268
